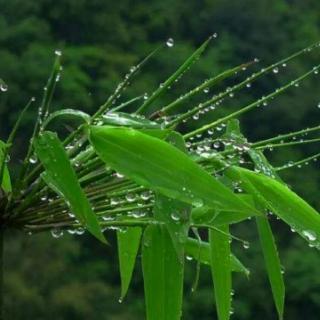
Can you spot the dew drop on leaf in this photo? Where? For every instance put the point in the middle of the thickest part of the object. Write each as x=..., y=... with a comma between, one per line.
x=310, y=235
x=170, y=42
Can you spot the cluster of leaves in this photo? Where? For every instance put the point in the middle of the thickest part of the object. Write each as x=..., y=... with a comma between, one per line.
x=159, y=187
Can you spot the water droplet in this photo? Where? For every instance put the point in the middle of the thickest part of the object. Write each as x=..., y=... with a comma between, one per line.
x=145, y=96
x=246, y=245
x=206, y=90
x=275, y=70
x=57, y=233
x=58, y=52
x=170, y=42
x=80, y=231
x=310, y=235
x=189, y=258
x=145, y=195
x=318, y=105
x=175, y=216
x=130, y=197
x=3, y=87
x=33, y=159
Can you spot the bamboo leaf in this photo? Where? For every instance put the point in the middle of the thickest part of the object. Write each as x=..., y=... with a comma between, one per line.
x=60, y=176
x=69, y=113
x=5, y=179
x=267, y=240
x=163, y=275
x=161, y=167
x=128, y=120
x=221, y=270
x=201, y=251
x=278, y=198
x=176, y=217
x=272, y=263
x=128, y=246
x=211, y=217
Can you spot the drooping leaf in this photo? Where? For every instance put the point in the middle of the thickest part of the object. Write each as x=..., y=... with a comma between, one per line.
x=60, y=176
x=163, y=275
x=128, y=246
x=286, y=204
x=267, y=241
x=221, y=270
x=201, y=251
x=272, y=263
x=161, y=167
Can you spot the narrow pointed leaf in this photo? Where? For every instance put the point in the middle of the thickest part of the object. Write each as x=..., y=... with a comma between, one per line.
x=272, y=263
x=163, y=275
x=161, y=167
x=267, y=241
x=221, y=271
x=201, y=251
x=60, y=176
x=128, y=246
x=286, y=204
x=5, y=179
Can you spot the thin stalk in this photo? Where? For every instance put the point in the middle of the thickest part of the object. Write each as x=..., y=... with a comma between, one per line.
x=250, y=106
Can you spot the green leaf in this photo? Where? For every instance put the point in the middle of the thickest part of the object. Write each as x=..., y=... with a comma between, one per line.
x=128, y=246
x=272, y=263
x=5, y=181
x=221, y=270
x=60, y=176
x=176, y=217
x=163, y=275
x=163, y=88
x=67, y=113
x=267, y=241
x=128, y=120
x=201, y=251
x=161, y=167
x=278, y=198
x=211, y=217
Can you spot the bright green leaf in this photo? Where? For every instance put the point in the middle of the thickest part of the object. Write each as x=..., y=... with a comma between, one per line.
x=163, y=275
x=60, y=176
x=221, y=270
x=161, y=167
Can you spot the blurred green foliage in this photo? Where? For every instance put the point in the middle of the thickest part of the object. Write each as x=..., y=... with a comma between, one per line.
x=46, y=278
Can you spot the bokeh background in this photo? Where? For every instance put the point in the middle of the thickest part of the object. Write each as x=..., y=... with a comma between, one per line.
x=75, y=277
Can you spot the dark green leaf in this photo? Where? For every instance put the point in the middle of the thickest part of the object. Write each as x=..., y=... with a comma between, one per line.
x=60, y=176
x=128, y=246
